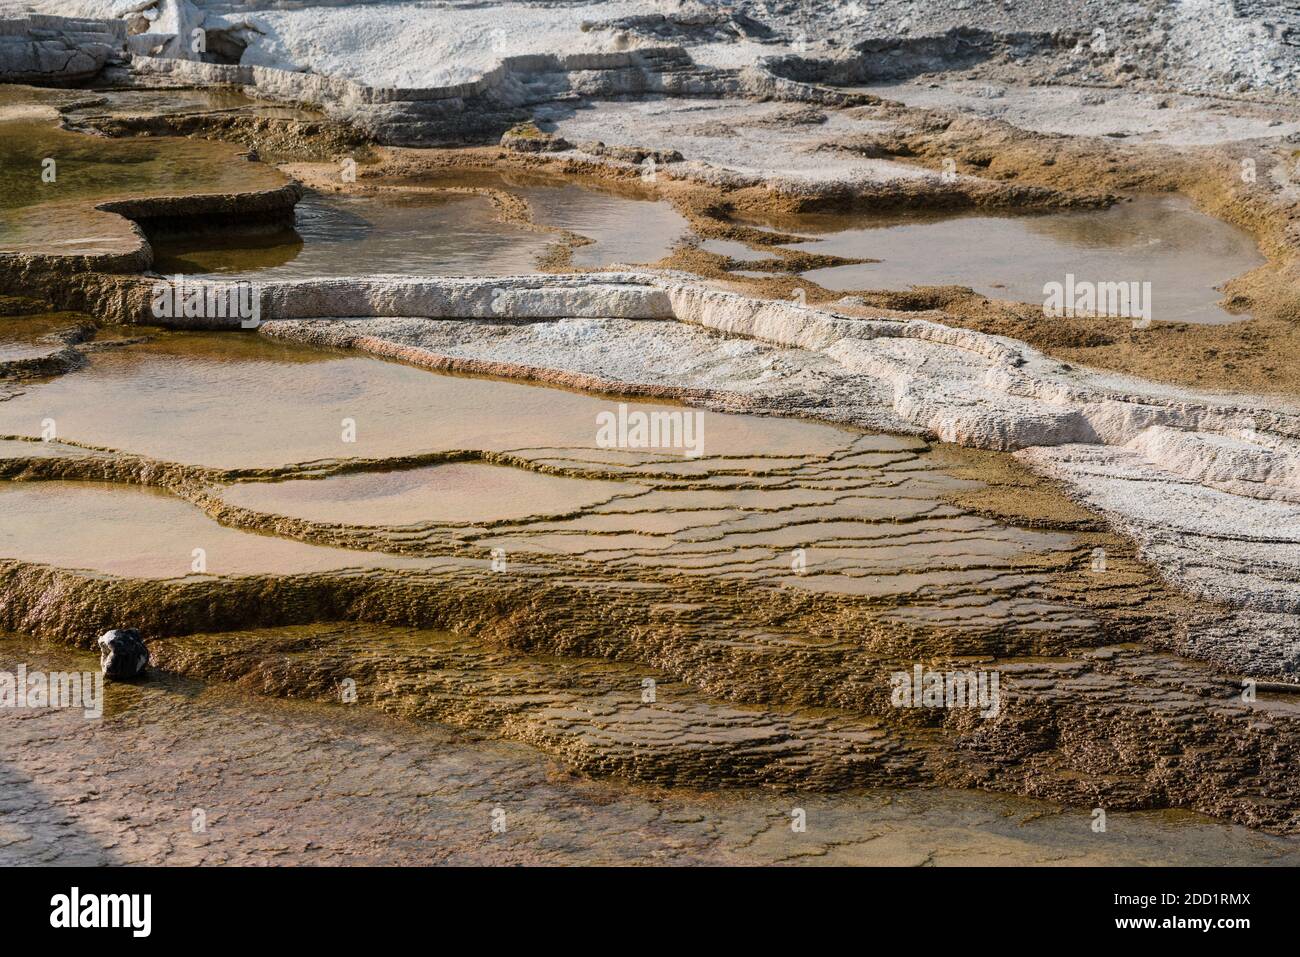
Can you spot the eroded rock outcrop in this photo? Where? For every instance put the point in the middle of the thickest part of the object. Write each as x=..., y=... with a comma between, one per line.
x=58, y=51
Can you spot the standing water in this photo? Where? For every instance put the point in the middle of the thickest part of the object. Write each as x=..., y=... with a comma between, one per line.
x=1183, y=253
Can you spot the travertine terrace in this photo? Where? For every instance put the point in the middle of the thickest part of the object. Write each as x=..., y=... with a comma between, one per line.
x=390, y=489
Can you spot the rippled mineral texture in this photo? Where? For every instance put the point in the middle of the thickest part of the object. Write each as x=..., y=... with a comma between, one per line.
x=647, y=550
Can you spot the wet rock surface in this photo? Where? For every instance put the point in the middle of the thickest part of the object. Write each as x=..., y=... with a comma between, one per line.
x=768, y=597
x=74, y=201
x=971, y=389
x=731, y=620
x=218, y=777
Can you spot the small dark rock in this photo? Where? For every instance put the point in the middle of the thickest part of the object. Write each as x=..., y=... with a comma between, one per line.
x=636, y=155
x=527, y=138
x=122, y=654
